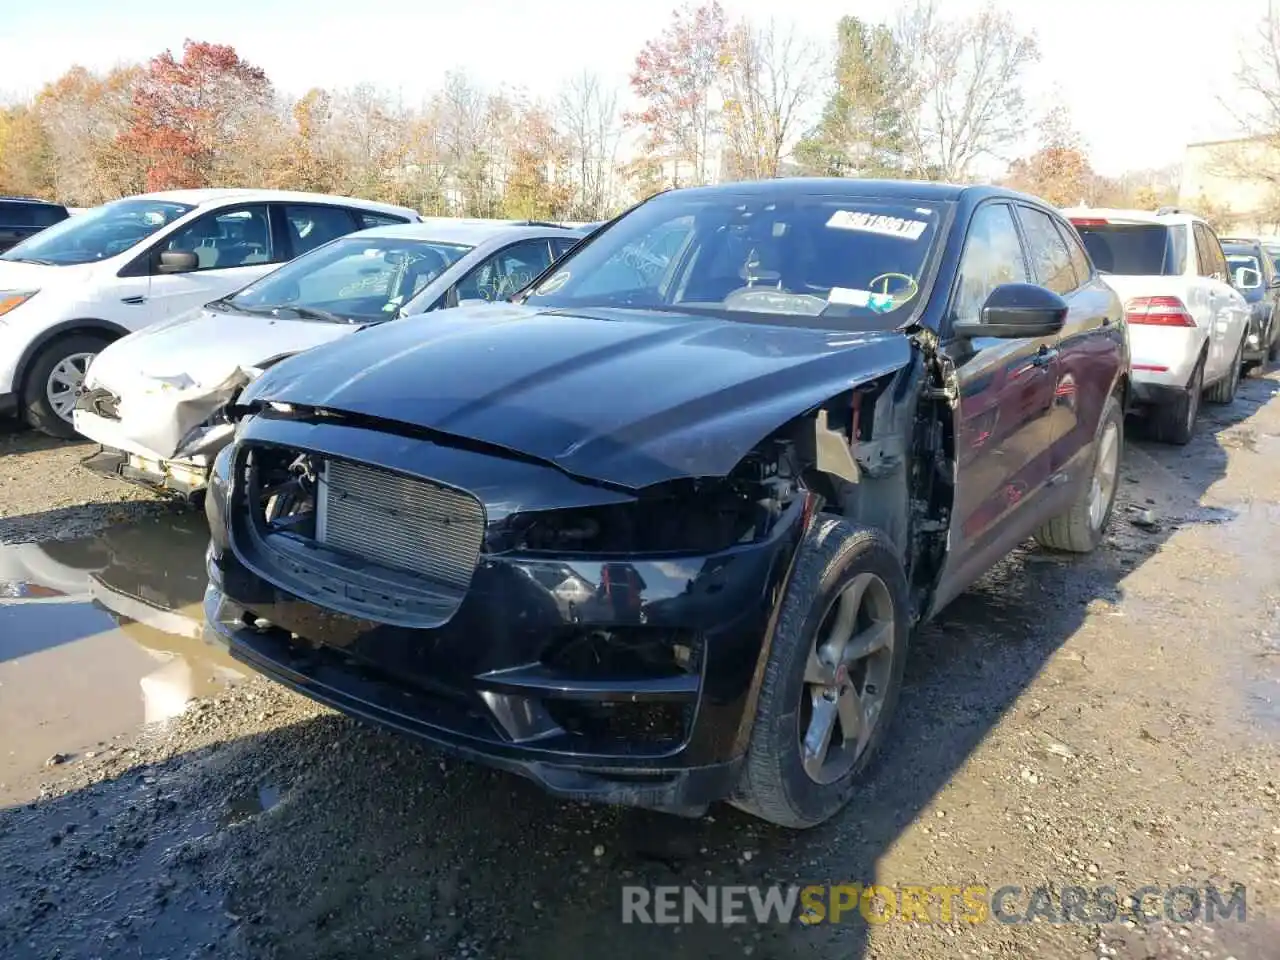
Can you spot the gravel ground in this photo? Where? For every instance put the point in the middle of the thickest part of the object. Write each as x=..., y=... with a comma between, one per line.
x=1113, y=719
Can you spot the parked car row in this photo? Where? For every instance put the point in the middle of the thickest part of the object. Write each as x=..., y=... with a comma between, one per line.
x=1200, y=312
x=648, y=510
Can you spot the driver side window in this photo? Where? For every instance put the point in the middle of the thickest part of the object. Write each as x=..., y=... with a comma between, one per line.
x=505, y=272
x=992, y=256
x=231, y=237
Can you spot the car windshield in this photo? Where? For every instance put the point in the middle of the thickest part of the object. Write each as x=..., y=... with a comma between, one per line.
x=355, y=279
x=98, y=233
x=826, y=261
x=1241, y=261
x=1134, y=249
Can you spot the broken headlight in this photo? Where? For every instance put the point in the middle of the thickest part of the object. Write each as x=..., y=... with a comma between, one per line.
x=688, y=516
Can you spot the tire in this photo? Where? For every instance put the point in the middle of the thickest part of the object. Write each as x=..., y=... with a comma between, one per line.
x=1176, y=422
x=834, y=559
x=1224, y=391
x=37, y=406
x=1080, y=529
x=1273, y=350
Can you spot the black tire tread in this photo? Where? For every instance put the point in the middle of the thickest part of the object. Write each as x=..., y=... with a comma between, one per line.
x=825, y=550
x=1169, y=424
x=1071, y=532
x=1224, y=391
x=35, y=406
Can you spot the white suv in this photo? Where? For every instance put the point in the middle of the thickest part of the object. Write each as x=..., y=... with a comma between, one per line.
x=68, y=291
x=1187, y=323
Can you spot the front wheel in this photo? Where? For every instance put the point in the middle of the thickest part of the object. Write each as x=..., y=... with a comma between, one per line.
x=54, y=380
x=832, y=677
x=1080, y=529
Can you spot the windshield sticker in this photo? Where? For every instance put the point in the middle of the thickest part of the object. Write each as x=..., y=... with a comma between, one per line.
x=554, y=283
x=846, y=296
x=877, y=223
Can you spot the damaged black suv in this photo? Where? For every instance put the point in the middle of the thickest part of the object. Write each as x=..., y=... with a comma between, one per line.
x=657, y=531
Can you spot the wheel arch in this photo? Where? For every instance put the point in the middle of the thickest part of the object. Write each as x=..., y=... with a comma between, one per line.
x=105, y=328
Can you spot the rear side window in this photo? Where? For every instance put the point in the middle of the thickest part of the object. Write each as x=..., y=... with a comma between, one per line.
x=368, y=220
x=1048, y=251
x=1214, y=262
x=1079, y=259
x=311, y=226
x=46, y=214
x=15, y=215
x=1135, y=249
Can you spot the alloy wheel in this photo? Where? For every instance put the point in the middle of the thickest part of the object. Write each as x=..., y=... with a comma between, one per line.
x=65, y=381
x=1105, y=472
x=846, y=678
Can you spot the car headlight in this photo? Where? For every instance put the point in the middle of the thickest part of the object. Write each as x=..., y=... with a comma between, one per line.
x=10, y=299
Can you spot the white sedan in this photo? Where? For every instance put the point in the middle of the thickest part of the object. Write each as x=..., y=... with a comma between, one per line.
x=155, y=399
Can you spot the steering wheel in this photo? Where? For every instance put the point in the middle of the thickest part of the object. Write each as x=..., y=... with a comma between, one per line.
x=902, y=296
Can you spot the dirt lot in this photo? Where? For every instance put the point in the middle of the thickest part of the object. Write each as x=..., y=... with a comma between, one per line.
x=1109, y=720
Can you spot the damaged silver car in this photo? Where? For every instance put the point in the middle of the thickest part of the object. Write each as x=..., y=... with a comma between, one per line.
x=155, y=400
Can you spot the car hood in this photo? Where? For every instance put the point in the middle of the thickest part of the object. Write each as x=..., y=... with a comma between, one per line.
x=204, y=346
x=38, y=276
x=619, y=396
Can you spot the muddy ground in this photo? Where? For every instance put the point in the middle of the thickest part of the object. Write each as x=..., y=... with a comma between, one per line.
x=1113, y=719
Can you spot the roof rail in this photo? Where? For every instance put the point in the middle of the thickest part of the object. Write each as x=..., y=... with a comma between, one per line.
x=1161, y=211
x=539, y=223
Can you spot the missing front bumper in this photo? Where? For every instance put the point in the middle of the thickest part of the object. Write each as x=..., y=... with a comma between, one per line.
x=170, y=477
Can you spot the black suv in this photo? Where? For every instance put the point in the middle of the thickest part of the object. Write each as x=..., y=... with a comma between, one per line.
x=20, y=217
x=1254, y=275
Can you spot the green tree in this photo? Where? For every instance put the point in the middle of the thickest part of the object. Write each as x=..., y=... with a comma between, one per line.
x=862, y=131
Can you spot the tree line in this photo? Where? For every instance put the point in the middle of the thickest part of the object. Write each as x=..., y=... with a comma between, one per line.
x=924, y=96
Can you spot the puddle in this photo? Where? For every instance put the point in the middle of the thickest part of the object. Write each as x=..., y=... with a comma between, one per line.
x=248, y=806
x=100, y=635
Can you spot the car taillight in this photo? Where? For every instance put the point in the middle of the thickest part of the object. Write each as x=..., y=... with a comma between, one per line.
x=1085, y=222
x=1159, y=312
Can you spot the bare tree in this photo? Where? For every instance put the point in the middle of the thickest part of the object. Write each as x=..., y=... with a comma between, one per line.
x=590, y=122
x=964, y=96
x=770, y=76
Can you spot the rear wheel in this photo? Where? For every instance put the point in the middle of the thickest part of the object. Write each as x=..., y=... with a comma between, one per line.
x=54, y=380
x=1224, y=391
x=1175, y=422
x=832, y=678
x=1080, y=529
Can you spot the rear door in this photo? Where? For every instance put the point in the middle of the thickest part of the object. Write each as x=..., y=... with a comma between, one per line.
x=1229, y=314
x=1006, y=393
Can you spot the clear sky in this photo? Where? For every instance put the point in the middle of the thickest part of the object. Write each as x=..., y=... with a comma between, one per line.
x=1142, y=77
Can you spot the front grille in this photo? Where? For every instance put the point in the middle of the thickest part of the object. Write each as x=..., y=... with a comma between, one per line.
x=400, y=522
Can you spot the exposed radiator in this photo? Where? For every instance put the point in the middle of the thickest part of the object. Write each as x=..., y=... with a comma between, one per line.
x=400, y=522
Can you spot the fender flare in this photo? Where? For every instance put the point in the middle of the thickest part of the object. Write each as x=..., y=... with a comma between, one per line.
x=112, y=331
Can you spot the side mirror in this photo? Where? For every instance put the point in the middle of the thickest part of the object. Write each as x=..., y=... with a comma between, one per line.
x=1247, y=278
x=177, y=261
x=1015, y=310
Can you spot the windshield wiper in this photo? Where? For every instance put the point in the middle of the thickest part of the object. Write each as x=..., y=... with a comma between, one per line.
x=310, y=313
x=43, y=263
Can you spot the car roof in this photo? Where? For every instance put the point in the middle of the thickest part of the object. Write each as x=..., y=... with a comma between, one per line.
x=35, y=200
x=924, y=190
x=210, y=195
x=469, y=231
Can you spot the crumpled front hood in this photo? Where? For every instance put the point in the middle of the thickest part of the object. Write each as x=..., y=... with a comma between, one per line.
x=204, y=346
x=620, y=396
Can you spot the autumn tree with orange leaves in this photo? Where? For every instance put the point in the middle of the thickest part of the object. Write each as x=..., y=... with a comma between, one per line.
x=188, y=113
x=676, y=76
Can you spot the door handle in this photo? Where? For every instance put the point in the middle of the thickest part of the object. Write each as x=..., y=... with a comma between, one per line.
x=134, y=300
